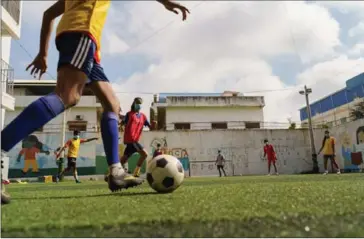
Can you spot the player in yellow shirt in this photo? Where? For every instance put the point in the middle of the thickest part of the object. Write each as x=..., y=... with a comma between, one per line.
x=78, y=40
x=73, y=146
x=328, y=148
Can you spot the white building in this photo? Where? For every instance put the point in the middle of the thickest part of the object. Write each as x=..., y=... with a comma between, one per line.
x=85, y=116
x=228, y=110
x=334, y=109
x=10, y=29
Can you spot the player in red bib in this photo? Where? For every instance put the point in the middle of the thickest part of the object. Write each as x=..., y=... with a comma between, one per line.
x=270, y=155
x=134, y=123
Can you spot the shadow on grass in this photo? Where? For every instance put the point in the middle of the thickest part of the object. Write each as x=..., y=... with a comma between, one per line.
x=300, y=225
x=119, y=194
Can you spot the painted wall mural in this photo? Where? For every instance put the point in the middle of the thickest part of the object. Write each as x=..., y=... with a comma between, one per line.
x=197, y=150
x=34, y=156
x=352, y=151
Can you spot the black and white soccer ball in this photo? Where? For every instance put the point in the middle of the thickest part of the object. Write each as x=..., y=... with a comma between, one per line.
x=165, y=173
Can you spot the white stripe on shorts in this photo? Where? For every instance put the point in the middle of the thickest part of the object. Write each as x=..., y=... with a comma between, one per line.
x=85, y=53
x=81, y=52
x=77, y=50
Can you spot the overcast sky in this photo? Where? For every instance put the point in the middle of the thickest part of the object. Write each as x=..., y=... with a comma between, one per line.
x=241, y=46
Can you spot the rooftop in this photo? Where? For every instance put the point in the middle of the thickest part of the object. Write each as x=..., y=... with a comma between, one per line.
x=35, y=82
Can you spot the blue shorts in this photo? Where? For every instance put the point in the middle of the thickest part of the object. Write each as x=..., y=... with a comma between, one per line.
x=132, y=149
x=78, y=49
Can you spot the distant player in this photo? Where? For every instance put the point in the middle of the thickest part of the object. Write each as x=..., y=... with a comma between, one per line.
x=328, y=147
x=73, y=146
x=134, y=122
x=158, y=151
x=270, y=155
x=78, y=40
x=220, y=163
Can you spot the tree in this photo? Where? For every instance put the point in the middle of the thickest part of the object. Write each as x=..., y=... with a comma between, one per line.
x=357, y=112
x=292, y=126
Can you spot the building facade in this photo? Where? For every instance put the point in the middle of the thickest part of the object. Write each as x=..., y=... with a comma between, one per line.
x=10, y=29
x=85, y=116
x=334, y=109
x=203, y=111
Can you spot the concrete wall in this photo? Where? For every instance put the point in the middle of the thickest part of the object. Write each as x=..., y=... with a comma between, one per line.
x=197, y=150
x=201, y=118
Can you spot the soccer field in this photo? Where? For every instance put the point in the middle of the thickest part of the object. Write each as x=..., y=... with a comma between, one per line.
x=259, y=206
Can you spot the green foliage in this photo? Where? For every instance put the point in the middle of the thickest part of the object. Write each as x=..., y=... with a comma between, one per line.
x=357, y=112
x=292, y=126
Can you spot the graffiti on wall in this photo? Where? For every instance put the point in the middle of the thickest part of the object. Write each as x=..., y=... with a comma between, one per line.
x=352, y=152
x=180, y=153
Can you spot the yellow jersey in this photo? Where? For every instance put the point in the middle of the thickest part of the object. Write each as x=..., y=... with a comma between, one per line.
x=85, y=16
x=74, y=147
x=329, y=143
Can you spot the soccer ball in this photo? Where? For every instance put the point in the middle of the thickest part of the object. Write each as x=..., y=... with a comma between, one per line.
x=165, y=173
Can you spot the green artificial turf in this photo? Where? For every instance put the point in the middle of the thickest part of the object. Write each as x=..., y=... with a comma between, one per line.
x=259, y=206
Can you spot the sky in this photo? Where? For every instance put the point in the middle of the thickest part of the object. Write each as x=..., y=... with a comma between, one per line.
x=258, y=48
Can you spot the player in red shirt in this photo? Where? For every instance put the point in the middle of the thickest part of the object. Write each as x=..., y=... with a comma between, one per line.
x=270, y=154
x=134, y=123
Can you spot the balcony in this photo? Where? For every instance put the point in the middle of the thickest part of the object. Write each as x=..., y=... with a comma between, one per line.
x=7, y=86
x=85, y=101
x=10, y=18
x=7, y=77
x=13, y=8
x=215, y=101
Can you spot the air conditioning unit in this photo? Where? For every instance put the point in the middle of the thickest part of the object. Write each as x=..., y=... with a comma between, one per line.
x=79, y=117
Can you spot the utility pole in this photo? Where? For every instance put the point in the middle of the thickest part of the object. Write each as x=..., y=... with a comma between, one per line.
x=306, y=92
x=63, y=139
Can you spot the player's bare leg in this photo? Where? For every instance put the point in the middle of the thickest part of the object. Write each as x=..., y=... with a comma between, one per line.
x=75, y=175
x=143, y=155
x=275, y=168
x=59, y=176
x=223, y=170
x=269, y=165
x=333, y=161
x=118, y=178
x=325, y=165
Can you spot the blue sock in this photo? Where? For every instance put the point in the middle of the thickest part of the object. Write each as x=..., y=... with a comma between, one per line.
x=32, y=118
x=110, y=136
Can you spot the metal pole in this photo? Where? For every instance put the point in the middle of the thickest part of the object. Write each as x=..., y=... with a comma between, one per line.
x=63, y=139
x=312, y=140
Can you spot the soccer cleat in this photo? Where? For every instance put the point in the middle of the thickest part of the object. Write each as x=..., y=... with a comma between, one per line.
x=78, y=181
x=118, y=180
x=137, y=174
x=338, y=172
x=325, y=173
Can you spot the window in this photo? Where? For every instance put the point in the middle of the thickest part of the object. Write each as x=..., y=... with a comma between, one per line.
x=182, y=126
x=77, y=125
x=252, y=125
x=221, y=125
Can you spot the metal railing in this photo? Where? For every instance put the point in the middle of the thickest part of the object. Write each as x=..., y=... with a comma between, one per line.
x=13, y=8
x=7, y=77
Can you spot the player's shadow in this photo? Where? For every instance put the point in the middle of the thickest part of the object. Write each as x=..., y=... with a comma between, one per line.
x=117, y=194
